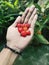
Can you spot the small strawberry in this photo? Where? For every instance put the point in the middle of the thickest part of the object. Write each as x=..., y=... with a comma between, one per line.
x=27, y=25
x=23, y=33
x=18, y=25
x=20, y=29
x=23, y=25
x=25, y=28
x=28, y=32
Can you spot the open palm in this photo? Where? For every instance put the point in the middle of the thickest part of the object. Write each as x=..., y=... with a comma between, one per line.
x=14, y=39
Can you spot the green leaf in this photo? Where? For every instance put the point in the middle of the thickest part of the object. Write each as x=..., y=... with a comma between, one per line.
x=9, y=4
x=16, y=2
x=46, y=20
x=38, y=7
x=9, y=15
x=30, y=4
x=47, y=27
x=47, y=4
x=41, y=39
x=37, y=23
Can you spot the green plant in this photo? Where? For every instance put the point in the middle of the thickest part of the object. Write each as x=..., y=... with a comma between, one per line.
x=9, y=10
x=34, y=55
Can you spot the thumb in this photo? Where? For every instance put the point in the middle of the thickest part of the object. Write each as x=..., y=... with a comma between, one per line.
x=18, y=19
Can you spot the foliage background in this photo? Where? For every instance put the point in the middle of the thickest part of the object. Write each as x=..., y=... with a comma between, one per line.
x=37, y=52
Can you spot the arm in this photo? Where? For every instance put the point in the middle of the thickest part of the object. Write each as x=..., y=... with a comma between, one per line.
x=12, y=59
x=5, y=56
x=14, y=56
x=15, y=40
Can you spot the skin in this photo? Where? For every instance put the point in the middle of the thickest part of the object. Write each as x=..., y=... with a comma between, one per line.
x=14, y=40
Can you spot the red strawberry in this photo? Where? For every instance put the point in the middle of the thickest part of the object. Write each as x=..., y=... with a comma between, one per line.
x=25, y=28
x=23, y=33
x=28, y=32
x=23, y=25
x=18, y=25
x=20, y=29
x=27, y=25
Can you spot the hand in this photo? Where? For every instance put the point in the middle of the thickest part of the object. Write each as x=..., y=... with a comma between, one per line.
x=14, y=39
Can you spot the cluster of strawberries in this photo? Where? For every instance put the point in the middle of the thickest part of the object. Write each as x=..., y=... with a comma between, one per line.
x=23, y=29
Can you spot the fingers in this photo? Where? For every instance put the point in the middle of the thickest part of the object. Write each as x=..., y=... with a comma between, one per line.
x=34, y=21
x=32, y=16
x=27, y=17
x=18, y=19
x=29, y=13
x=24, y=15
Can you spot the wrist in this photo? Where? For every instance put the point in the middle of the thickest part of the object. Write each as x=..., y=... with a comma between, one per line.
x=13, y=46
x=14, y=49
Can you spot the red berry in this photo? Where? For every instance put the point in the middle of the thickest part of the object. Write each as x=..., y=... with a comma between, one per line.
x=28, y=32
x=27, y=25
x=19, y=25
x=25, y=28
x=23, y=33
x=23, y=25
x=20, y=29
